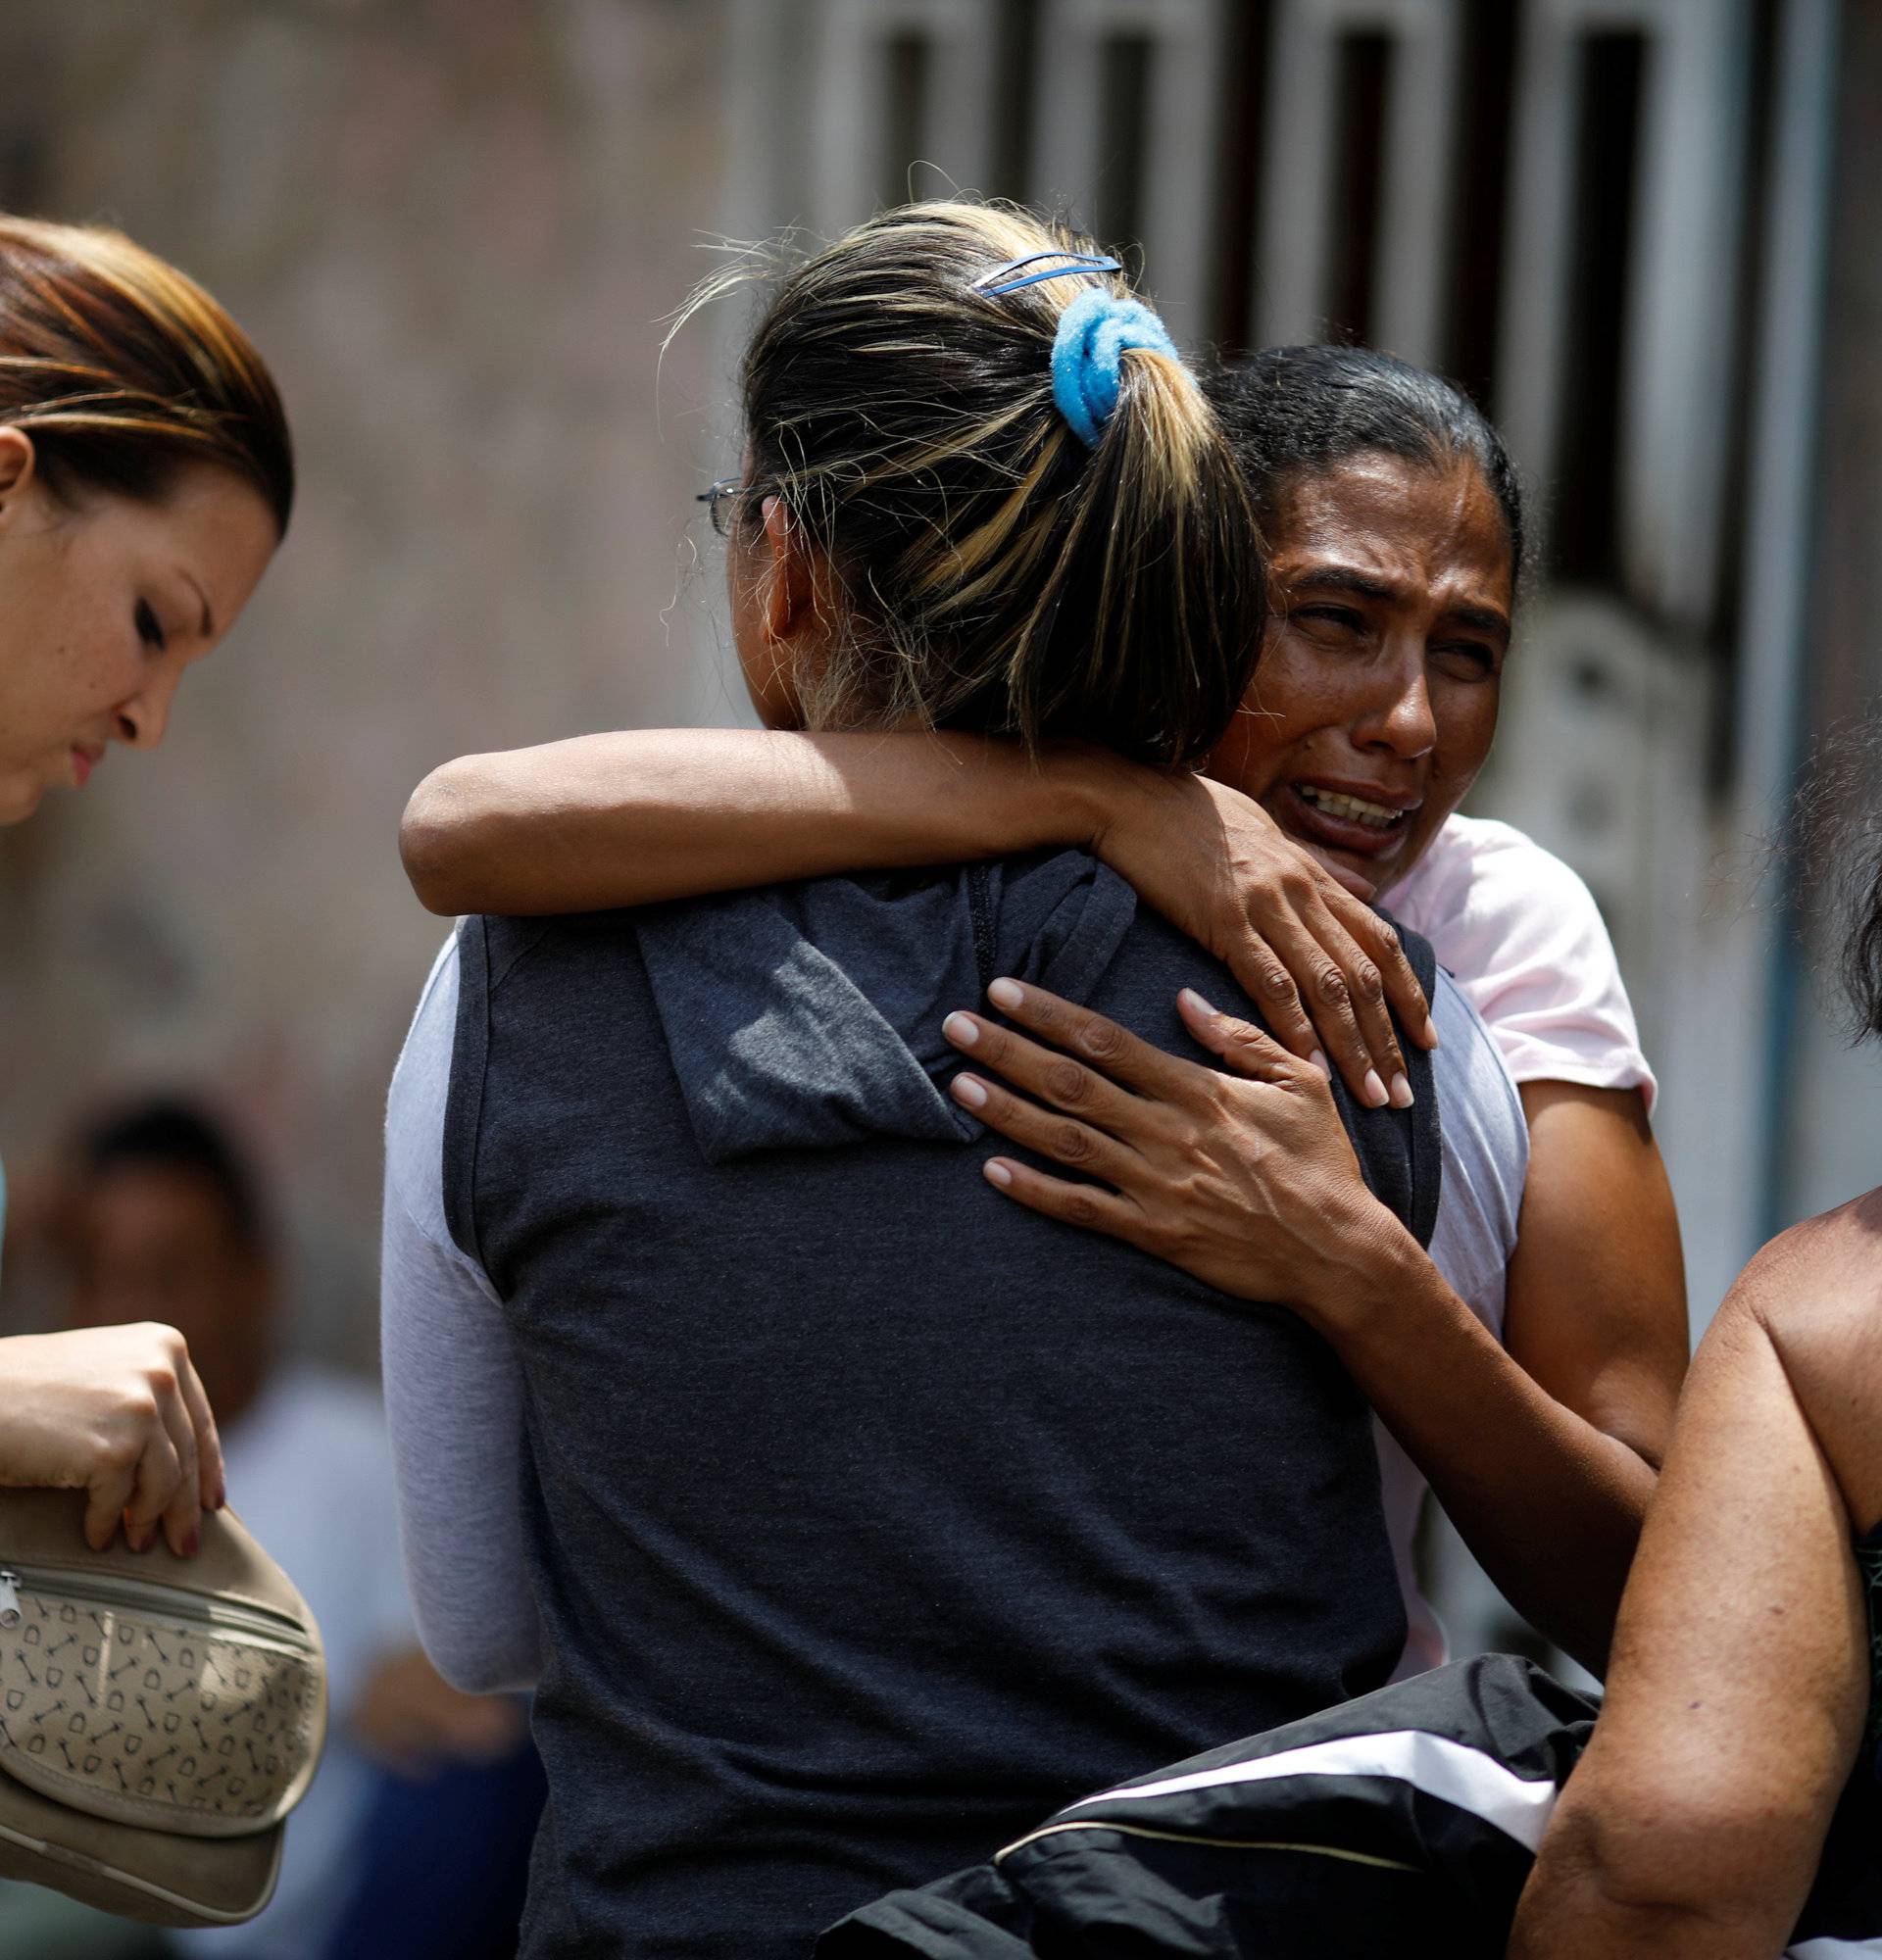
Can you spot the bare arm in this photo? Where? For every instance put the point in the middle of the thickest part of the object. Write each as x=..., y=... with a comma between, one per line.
x=640, y=816
x=648, y=815
x=1596, y=1319
x=1252, y=1186
x=1691, y=1827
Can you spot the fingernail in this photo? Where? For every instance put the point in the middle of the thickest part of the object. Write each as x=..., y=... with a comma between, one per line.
x=997, y=1173
x=1375, y=1089
x=966, y=1090
x=1194, y=1001
x=222, y=1496
x=1320, y=1063
x=1431, y=1033
x=1007, y=994
x=1401, y=1092
x=960, y=1030
x=144, y=1544
x=192, y=1545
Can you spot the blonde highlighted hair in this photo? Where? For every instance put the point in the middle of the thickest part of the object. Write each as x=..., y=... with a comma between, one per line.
x=993, y=572
x=121, y=370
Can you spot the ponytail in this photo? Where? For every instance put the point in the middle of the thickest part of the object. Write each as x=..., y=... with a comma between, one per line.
x=1003, y=561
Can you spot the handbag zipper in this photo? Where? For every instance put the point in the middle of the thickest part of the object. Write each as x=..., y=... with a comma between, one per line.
x=261, y=1624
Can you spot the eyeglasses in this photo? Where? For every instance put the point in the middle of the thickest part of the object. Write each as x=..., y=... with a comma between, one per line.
x=722, y=500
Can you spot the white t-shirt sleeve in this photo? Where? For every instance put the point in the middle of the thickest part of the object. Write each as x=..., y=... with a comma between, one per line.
x=1486, y=1160
x=453, y=1393
x=1522, y=936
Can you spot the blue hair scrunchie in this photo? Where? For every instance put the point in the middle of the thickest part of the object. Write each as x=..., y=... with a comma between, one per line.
x=1087, y=357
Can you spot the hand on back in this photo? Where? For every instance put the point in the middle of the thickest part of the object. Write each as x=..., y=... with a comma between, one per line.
x=1322, y=965
x=1245, y=1179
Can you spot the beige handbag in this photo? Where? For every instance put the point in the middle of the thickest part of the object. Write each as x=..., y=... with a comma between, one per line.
x=159, y=1716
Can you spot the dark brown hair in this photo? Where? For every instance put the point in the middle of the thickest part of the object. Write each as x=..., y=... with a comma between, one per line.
x=121, y=370
x=1830, y=862
x=1296, y=412
x=994, y=573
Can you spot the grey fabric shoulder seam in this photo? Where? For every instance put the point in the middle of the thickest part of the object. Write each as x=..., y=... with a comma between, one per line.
x=1426, y=1136
x=464, y=1102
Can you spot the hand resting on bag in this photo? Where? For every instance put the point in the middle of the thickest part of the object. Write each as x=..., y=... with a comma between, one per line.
x=118, y=1413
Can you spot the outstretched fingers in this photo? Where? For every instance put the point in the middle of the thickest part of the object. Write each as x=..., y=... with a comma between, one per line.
x=1329, y=974
x=1347, y=995
x=1087, y=1205
x=1064, y=1139
x=1052, y=1076
x=1114, y=1053
x=1240, y=1044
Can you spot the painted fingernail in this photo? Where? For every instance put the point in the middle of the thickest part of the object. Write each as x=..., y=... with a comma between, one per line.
x=1320, y=1063
x=192, y=1543
x=1430, y=1037
x=1008, y=994
x=966, y=1090
x=222, y=1496
x=997, y=1173
x=960, y=1030
x=1401, y=1092
x=1375, y=1089
x=1194, y=1001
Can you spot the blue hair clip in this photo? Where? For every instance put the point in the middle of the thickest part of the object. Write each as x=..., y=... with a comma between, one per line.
x=1072, y=263
x=1087, y=357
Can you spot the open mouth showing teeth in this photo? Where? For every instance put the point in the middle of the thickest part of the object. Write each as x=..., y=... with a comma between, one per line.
x=1350, y=808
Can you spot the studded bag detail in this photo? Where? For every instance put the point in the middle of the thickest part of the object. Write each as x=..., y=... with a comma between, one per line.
x=153, y=1707
x=159, y=1717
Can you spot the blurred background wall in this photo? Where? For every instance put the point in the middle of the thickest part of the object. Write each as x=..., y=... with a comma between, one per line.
x=453, y=228
x=1639, y=231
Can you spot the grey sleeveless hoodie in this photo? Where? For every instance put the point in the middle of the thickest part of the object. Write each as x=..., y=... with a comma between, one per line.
x=871, y=1515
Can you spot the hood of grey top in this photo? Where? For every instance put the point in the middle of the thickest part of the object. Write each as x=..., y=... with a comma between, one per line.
x=808, y=1017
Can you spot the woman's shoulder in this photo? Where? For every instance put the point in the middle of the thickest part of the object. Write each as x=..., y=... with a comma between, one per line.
x=1816, y=1293
x=1818, y=1284
x=1521, y=933
x=1499, y=908
x=1481, y=872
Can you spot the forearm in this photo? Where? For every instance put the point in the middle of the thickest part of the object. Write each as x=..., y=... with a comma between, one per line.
x=1695, y=1820
x=1549, y=1503
x=644, y=815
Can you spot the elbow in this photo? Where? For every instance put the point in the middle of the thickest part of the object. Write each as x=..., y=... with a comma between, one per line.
x=1655, y=1862
x=490, y=1661
x=431, y=838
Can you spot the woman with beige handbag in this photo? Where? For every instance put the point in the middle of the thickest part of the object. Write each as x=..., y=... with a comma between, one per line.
x=145, y=480
x=159, y=1711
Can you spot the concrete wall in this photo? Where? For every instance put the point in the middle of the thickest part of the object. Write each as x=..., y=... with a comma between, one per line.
x=454, y=227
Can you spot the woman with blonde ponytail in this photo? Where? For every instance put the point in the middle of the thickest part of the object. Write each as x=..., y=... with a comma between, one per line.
x=146, y=479
x=843, y=1516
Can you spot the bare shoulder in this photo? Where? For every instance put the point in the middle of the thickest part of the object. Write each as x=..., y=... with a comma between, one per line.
x=1821, y=1279
x=1816, y=1292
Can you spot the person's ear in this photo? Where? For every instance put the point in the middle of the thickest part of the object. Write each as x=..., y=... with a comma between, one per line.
x=789, y=590
x=19, y=469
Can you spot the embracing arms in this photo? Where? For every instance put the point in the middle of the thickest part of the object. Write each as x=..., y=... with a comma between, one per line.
x=645, y=815
x=1693, y=1824
x=1544, y=1453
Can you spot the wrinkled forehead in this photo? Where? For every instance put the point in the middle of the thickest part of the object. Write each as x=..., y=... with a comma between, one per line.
x=1419, y=523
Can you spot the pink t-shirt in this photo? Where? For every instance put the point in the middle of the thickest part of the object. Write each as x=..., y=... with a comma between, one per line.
x=1525, y=942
